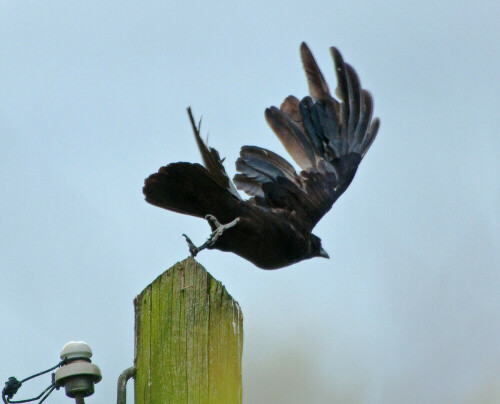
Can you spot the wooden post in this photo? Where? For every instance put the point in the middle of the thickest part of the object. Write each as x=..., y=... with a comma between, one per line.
x=188, y=339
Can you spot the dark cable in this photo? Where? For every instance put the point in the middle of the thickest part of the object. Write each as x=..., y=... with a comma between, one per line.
x=13, y=385
x=47, y=390
x=48, y=394
x=45, y=371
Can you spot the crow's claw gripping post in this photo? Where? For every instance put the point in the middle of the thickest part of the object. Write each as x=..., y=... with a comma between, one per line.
x=219, y=230
x=192, y=248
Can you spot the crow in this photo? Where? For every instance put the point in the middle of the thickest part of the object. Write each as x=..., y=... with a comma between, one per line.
x=326, y=137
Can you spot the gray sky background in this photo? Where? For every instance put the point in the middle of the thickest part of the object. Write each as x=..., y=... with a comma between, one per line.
x=92, y=100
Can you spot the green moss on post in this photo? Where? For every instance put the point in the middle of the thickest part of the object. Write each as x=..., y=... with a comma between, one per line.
x=188, y=339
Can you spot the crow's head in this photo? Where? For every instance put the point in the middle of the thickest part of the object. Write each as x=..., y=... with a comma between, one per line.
x=315, y=249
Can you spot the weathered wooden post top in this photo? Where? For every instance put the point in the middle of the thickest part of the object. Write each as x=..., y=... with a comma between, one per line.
x=188, y=339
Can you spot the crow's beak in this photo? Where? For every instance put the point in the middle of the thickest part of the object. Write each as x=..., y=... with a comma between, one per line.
x=323, y=253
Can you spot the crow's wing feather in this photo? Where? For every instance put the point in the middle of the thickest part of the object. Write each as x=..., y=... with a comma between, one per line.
x=211, y=159
x=291, y=107
x=274, y=165
x=326, y=137
x=369, y=136
x=302, y=198
x=258, y=166
x=318, y=88
x=292, y=137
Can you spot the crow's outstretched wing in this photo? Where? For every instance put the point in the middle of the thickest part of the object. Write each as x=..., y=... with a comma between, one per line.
x=326, y=137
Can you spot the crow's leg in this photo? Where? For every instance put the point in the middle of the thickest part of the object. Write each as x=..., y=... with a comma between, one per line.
x=219, y=229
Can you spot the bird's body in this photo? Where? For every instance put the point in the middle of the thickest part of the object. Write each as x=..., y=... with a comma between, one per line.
x=326, y=138
x=270, y=240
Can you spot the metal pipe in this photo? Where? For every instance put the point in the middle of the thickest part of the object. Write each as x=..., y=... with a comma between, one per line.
x=122, y=385
x=79, y=400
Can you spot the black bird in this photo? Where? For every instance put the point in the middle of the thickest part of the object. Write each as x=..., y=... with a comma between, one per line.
x=326, y=137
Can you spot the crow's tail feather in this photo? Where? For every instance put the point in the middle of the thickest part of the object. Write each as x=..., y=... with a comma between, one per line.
x=190, y=189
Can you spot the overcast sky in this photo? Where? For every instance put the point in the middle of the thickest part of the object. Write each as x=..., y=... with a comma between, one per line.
x=92, y=100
